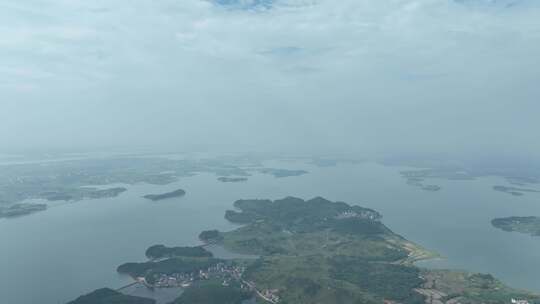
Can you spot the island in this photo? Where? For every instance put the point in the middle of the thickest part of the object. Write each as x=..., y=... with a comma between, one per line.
x=522, y=224
x=172, y=194
x=280, y=173
x=225, y=179
x=312, y=251
x=513, y=190
x=21, y=209
x=109, y=296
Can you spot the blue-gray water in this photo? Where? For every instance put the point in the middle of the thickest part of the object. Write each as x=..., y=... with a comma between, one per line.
x=54, y=256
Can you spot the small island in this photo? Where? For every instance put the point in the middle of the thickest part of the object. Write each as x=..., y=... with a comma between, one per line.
x=172, y=194
x=225, y=179
x=513, y=190
x=21, y=209
x=522, y=224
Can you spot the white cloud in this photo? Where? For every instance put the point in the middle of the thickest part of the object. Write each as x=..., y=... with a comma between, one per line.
x=348, y=60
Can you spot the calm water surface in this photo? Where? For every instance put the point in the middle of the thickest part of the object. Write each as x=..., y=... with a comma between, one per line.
x=54, y=256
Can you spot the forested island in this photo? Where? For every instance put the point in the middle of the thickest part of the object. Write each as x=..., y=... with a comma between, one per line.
x=522, y=224
x=159, y=197
x=314, y=251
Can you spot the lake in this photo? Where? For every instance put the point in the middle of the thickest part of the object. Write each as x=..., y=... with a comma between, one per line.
x=54, y=256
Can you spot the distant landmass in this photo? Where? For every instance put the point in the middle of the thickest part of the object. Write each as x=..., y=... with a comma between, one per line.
x=419, y=182
x=82, y=193
x=158, y=197
x=522, y=224
x=21, y=209
x=162, y=251
x=280, y=173
x=78, y=179
x=225, y=179
x=513, y=190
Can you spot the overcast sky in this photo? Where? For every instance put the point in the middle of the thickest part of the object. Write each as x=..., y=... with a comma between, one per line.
x=366, y=76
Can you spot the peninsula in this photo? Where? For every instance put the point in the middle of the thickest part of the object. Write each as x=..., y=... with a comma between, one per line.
x=312, y=251
x=172, y=194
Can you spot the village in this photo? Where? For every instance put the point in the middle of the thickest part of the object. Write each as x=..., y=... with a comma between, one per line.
x=370, y=215
x=226, y=273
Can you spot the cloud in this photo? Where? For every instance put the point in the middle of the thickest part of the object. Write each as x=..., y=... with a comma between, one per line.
x=346, y=75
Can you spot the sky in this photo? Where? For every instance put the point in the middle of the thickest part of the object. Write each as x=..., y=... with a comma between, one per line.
x=369, y=77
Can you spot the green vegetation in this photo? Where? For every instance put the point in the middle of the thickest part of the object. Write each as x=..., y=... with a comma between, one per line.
x=210, y=236
x=523, y=224
x=314, y=251
x=149, y=270
x=450, y=287
x=21, y=209
x=318, y=251
x=109, y=296
x=292, y=226
x=161, y=251
x=213, y=293
x=337, y=279
x=389, y=281
x=172, y=194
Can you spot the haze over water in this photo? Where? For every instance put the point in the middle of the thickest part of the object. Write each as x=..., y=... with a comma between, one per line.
x=56, y=255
